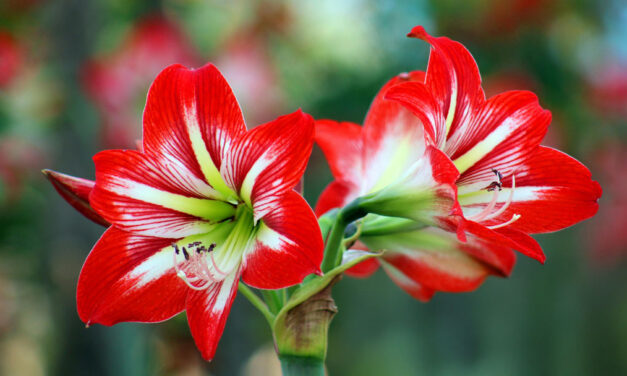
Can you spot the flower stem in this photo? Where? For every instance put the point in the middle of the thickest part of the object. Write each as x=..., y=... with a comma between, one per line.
x=333, y=249
x=300, y=366
x=256, y=301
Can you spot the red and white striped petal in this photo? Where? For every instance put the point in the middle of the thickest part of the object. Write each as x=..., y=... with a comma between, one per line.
x=417, y=98
x=433, y=258
x=129, y=277
x=269, y=160
x=507, y=127
x=553, y=191
x=341, y=143
x=76, y=192
x=507, y=237
x=191, y=119
x=288, y=246
x=207, y=311
x=427, y=191
x=393, y=138
x=453, y=79
x=139, y=193
x=336, y=195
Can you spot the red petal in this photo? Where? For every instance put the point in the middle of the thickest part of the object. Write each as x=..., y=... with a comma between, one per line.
x=515, y=239
x=192, y=117
x=288, y=246
x=207, y=311
x=76, y=192
x=341, y=144
x=507, y=127
x=335, y=195
x=553, y=191
x=364, y=269
x=270, y=159
x=141, y=194
x=126, y=278
x=418, y=99
x=393, y=138
x=452, y=76
x=450, y=272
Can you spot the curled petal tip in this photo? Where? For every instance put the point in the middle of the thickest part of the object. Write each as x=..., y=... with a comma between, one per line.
x=418, y=32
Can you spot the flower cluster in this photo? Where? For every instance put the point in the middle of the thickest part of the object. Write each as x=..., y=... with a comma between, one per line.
x=440, y=185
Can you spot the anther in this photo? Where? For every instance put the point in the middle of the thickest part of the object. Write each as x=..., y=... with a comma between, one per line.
x=496, y=184
x=185, y=253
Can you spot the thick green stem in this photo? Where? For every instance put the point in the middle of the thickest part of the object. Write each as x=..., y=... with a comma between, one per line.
x=299, y=366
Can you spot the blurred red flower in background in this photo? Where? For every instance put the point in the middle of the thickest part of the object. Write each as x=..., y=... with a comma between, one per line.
x=11, y=57
x=608, y=89
x=117, y=82
x=607, y=233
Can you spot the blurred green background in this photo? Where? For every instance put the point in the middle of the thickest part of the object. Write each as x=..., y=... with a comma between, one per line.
x=74, y=76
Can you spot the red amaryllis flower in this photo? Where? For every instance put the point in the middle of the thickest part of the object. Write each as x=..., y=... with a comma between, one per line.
x=117, y=82
x=507, y=185
x=369, y=160
x=508, y=182
x=204, y=204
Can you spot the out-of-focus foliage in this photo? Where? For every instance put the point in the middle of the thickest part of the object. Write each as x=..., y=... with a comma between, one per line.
x=568, y=317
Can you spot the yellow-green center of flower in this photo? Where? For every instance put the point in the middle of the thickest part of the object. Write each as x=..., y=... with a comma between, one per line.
x=204, y=259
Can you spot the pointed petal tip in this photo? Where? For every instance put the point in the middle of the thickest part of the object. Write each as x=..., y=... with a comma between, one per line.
x=418, y=32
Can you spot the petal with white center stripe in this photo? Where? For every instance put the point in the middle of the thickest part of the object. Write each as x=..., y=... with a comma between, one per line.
x=129, y=277
x=207, y=311
x=453, y=79
x=393, y=138
x=269, y=160
x=506, y=128
x=192, y=117
x=288, y=246
x=553, y=191
x=141, y=194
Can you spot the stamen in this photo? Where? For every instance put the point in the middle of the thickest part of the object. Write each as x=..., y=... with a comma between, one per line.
x=486, y=211
x=515, y=217
x=485, y=214
x=506, y=204
x=195, y=270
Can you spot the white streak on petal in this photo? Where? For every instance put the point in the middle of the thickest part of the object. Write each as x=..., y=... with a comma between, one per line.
x=201, y=152
x=225, y=292
x=152, y=268
x=202, y=208
x=483, y=147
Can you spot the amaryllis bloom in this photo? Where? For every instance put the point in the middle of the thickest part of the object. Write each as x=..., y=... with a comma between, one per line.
x=508, y=182
x=205, y=203
x=507, y=185
x=117, y=82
